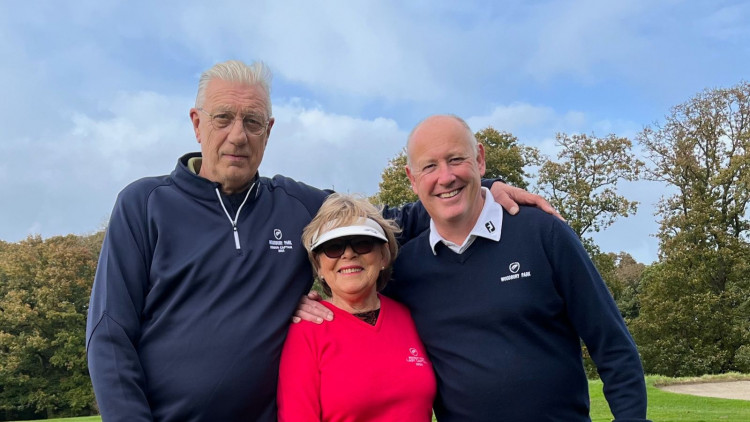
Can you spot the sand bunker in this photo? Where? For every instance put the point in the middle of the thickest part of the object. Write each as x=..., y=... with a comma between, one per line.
x=725, y=390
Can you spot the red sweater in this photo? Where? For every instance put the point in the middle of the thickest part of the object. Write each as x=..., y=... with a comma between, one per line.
x=347, y=370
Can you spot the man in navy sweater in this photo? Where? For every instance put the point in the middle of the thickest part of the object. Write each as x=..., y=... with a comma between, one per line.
x=501, y=303
x=201, y=270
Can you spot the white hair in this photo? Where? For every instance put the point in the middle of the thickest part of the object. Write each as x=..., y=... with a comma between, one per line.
x=257, y=73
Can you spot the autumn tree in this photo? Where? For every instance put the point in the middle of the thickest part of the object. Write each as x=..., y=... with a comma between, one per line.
x=44, y=291
x=505, y=158
x=583, y=183
x=695, y=314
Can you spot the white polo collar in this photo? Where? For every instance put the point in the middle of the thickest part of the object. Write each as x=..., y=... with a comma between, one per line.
x=488, y=226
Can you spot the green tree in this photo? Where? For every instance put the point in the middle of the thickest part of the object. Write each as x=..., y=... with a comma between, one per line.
x=395, y=188
x=505, y=158
x=44, y=301
x=695, y=313
x=626, y=284
x=623, y=275
x=582, y=185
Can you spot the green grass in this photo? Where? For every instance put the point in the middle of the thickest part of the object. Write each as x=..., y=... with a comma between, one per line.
x=662, y=406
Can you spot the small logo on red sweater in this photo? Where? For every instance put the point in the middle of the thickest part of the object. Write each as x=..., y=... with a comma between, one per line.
x=415, y=358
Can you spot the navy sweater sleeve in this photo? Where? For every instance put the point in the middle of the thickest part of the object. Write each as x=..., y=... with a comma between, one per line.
x=597, y=320
x=113, y=325
x=412, y=218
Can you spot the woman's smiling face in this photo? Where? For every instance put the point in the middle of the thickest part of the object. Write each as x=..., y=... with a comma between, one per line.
x=352, y=275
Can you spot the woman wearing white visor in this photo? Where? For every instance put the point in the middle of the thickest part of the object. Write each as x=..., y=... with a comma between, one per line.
x=368, y=364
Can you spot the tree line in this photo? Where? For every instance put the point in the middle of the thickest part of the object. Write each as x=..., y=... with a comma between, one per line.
x=44, y=295
x=689, y=312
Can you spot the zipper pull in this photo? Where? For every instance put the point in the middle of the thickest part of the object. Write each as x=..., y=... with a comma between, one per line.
x=236, y=237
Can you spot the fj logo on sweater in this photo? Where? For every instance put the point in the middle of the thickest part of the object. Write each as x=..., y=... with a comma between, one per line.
x=278, y=244
x=515, y=272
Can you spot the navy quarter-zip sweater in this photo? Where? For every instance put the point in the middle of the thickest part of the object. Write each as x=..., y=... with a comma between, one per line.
x=502, y=322
x=184, y=326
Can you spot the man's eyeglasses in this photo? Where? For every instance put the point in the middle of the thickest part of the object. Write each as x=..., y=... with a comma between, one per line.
x=360, y=245
x=252, y=123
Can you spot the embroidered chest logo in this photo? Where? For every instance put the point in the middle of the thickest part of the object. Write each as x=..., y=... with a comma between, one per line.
x=278, y=244
x=515, y=272
x=415, y=358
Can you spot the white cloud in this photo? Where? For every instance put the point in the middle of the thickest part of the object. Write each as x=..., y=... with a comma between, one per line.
x=573, y=38
x=83, y=83
x=66, y=180
x=132, y=136
x=537, y=125
x=530, y=119
x=328, y=150
x=362, y=49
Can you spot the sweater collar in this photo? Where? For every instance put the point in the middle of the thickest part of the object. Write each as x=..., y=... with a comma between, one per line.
x=187, y=180
x=488, y=225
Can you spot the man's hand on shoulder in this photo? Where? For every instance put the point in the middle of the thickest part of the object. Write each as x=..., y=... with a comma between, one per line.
x=509, y=197
x=310, y=309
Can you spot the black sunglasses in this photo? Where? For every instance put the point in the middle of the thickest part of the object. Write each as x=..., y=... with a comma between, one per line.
x=360, y=245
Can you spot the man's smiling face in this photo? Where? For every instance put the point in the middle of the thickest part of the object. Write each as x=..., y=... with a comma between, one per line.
x=445, y=171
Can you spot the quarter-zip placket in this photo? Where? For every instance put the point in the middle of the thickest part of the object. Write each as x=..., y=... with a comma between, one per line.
x=236, y=216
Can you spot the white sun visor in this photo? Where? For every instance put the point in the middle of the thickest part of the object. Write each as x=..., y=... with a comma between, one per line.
x=363, y=227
